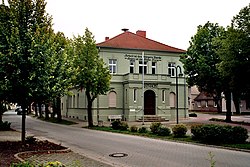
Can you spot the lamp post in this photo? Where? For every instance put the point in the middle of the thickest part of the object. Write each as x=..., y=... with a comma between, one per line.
x=176, y=86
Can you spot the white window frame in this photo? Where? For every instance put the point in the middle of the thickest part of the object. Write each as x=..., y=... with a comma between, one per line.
x=171, y=69
x=113, y=66
x=143, y=66
x=132, y=65
x=154, y=67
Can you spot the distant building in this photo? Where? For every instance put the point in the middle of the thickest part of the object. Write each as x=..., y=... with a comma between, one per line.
x=134, y=61
x=202, y=102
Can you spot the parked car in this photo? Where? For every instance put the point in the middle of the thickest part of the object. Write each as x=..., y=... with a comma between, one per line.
x=17, y=108
x=20, y=111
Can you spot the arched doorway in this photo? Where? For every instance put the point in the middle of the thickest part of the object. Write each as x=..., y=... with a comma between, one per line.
x=149, y=102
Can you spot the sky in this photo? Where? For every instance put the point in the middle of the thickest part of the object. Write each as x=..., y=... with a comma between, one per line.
x=172, y=22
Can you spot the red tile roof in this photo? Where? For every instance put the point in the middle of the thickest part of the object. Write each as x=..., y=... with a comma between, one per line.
x=129, y=40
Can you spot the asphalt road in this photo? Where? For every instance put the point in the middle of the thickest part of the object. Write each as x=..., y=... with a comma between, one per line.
x=138, y=151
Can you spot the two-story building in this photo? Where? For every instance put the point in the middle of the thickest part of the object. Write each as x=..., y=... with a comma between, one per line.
x=143, y=81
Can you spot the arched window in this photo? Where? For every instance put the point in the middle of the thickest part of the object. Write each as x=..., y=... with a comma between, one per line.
x=172, y=99
x=112, y=99
x=163, y=96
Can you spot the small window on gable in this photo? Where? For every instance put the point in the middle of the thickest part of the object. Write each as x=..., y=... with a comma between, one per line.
x=112, y=99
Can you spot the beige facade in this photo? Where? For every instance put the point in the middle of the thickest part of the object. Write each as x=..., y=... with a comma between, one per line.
x=143, y=83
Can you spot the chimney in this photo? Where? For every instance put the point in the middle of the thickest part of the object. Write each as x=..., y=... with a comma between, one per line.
x=125, y=29
x=141, y=33
x=106, y=38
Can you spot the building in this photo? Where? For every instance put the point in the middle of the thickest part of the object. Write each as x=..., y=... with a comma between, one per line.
x=143, y=81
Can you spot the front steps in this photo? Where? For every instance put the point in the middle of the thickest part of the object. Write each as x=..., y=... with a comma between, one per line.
x=152, y=118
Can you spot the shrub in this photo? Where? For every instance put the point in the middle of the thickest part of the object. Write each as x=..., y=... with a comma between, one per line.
x=4, y=126
x=133, y=128
x=211, y=133
x=124, y=126
x=155, y=127
x=163, y=131
x=142, y=130
x=239, y=134
x=116, y=124
x=54, y=164
x=22, y=164
x=28, y=164
x=192, y=115
x=179, y=130
x=30, y=139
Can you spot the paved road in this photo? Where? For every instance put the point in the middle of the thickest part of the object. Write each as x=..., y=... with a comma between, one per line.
x=141, y=152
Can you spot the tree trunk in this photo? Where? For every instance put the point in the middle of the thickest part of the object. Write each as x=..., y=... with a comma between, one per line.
x=40, y=110
x=228, y=106
x=217, y=99
x=236, y=100
x=90, y=118
x=46, y=112
x=58, y=109
x=36, y=112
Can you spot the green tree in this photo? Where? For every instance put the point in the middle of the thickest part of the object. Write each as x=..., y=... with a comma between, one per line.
x=200, y=61
x=4, y=48
x=32, y=52
x=234, y=52
x=91, y=73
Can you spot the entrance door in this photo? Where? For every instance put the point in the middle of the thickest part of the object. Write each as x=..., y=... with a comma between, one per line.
x=149, y=102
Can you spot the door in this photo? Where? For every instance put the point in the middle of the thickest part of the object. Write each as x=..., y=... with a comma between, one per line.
x=149, y=102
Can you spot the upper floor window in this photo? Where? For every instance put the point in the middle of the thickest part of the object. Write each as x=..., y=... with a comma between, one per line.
x=153, y=67
x=112, y=66
x=171, y=69
x=142, y=66
x=132, y=66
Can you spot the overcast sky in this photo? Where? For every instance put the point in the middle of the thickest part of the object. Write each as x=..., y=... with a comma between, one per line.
x=172, y=22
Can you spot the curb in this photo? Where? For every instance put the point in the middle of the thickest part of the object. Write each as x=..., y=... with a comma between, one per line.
x=27, y=153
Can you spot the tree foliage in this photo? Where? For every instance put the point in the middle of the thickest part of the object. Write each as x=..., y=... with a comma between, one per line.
x=218, y=59
x=200, y=61
x=35, y=64
x=90, y=71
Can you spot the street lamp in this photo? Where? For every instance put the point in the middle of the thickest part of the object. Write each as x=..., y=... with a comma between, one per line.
x=176, y=86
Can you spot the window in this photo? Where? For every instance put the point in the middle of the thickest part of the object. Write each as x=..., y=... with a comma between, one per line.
x=198, y=104
x=78, y=101
x=163, y=96
x=171, y=69
x=62, y=106
x=132, y=66
x=215, y=105
x=172, y=99
x=206, y=103
x=135, y=95
x=153, y=67
x=141, y=66
x=74, y=100
x=112, y=66
x=112, y=99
